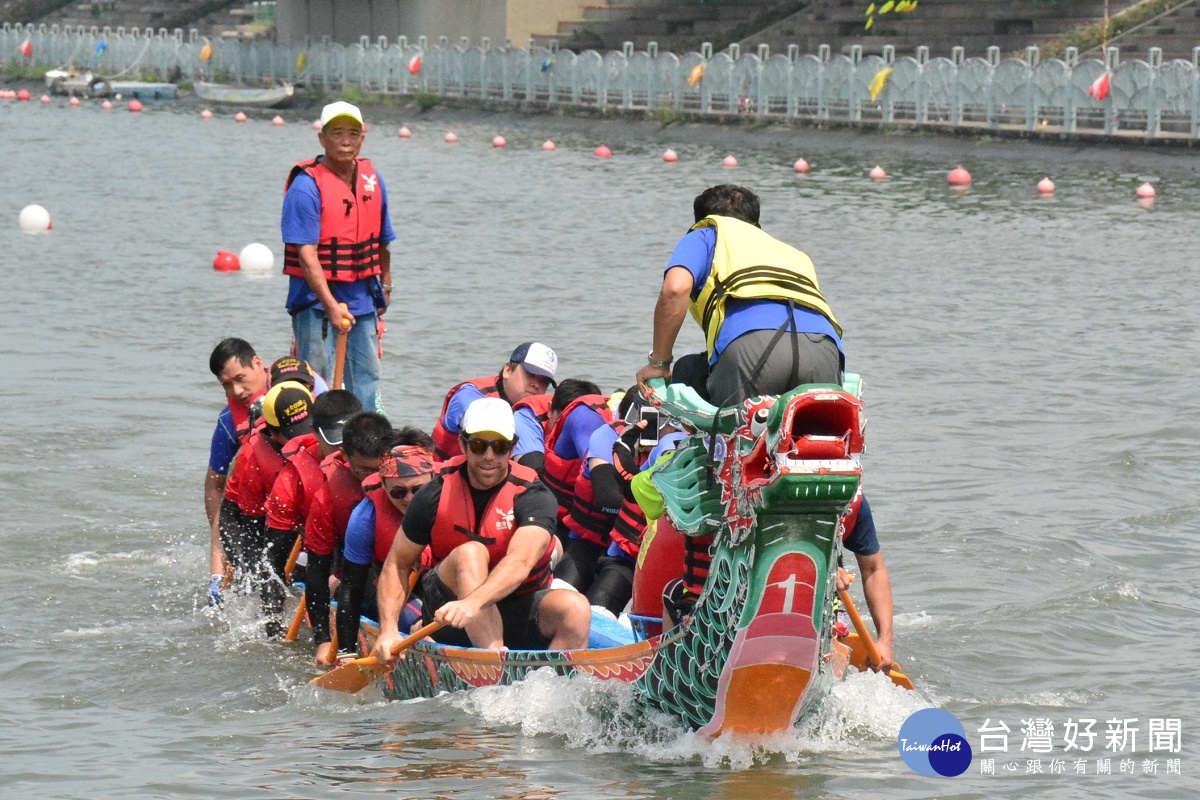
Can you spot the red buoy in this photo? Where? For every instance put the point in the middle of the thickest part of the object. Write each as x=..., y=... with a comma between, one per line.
x=226, y=262
x=959, y=177
x=602, y=152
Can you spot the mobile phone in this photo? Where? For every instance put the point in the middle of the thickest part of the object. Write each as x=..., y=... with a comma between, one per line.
x=649, y=435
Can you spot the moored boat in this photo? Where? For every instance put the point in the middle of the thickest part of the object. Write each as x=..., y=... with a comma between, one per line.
x=268, y=97
x=142, y=90
x=771, y=480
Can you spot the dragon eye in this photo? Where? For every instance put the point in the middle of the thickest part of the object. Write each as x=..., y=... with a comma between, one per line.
x=758, y=423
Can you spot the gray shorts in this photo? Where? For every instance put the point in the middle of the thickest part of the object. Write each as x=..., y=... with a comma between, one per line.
x=796, y=359
x=518, y=612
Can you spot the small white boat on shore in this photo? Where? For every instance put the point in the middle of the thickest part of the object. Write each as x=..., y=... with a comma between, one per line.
x=268, y=97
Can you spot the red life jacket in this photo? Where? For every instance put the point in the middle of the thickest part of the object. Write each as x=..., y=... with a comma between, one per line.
x=455, y=522
x=240, y=414
x=445, y=443
x=561, y=473
x=586, y=518
x=387, y=517
x=300, y=457
x=628, y=528
x=257, y=467
x=539, y=404
x=351, y=222
x=330, y=512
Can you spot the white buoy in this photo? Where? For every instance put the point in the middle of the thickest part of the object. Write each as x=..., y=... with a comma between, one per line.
x=256, y=257
x=35, y=219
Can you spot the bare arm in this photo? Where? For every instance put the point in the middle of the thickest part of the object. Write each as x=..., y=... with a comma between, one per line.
x=877, y=588
x=214, y=490
x=669, y=312
x=525, y=549
x=392, y=592
x=338, y=316
x=385, y=273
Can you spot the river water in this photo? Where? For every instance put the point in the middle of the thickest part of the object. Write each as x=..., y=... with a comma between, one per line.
x=1031, y=449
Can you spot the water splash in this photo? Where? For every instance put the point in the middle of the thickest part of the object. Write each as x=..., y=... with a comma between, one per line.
x=603, y=717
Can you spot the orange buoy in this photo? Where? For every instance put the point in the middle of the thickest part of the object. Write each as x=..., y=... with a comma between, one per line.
x=45, y=99
x=729, y=161
x=106, y=105
x=602, y=152
x=877, y=173
x=1146, y=191
x=959, y=177
x=226, y=262
x=801, y=166
x=451, y=137
x=277, y=120
x=240, y=116
x=135, y=105
x=206, y=114
x=548, y=145
x=498, y=141
x=404, y=132
x=23, y=95
x=74, y=101
x=1045, y=186
x=316, y=124
x=670, y=156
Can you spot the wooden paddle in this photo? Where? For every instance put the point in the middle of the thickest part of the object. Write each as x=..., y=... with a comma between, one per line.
x=297, y=619
x=293, y=557
x=898, y=678
x=354, y=676
x=339, y=359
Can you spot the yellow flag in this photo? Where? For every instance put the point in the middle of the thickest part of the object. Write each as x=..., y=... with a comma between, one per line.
x=301, y=61
x=888, y=6
x=206, y=52
x=878, y=82
x=696, y=74
x=870, y=22
x=870, y=9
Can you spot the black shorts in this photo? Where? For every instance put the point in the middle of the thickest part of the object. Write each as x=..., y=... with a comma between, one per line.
x=519, y=614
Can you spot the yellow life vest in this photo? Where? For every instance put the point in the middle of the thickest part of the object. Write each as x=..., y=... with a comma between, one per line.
x=751, y=265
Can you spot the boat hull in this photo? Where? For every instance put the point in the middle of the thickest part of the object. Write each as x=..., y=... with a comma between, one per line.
x=270, y=97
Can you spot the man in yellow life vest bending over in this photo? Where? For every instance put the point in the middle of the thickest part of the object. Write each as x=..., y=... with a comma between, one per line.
x=767, y=328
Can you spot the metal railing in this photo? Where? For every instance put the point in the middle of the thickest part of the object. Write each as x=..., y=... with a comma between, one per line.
x=1149, y=98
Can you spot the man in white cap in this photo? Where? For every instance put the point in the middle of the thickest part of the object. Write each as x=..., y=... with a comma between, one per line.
x=336, y=233
x=489, y=524
x=526, y=376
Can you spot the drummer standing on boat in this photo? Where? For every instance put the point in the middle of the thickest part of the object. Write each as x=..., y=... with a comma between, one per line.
x=767, y=328
x=336, y=232
x=489, y=523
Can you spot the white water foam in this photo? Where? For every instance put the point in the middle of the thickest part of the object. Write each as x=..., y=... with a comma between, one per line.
x=601, y=717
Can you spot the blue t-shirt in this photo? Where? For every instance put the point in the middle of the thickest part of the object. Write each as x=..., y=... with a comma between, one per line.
x=359, y=547
x=577, y=432
x=530, y=436
x=224, y=443
x=301, y=224
x=694, y=252
x=863, y=540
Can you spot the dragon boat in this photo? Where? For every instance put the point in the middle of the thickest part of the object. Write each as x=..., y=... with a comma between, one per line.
x=771, y=480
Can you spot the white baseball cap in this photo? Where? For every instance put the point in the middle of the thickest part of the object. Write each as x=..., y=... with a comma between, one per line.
x=340, y=109
x=536, y=358
x=489, y=415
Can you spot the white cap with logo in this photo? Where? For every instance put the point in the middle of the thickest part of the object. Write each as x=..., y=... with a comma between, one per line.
x=489, y=415
x=340, y=109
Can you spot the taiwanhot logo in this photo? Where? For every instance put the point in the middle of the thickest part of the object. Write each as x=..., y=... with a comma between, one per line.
x=933, y=742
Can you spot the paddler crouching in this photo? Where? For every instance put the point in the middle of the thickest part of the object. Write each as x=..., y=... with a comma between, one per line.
x=489, y=523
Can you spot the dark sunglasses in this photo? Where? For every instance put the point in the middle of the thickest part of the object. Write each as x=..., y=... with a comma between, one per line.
x=401, y=492
x=500, y=447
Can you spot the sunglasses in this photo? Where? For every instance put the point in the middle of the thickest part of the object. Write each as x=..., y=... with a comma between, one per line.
x=500, y=447
x=401, y=492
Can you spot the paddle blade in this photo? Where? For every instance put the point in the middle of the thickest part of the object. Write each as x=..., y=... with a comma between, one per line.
x=901, y=680
x=354, y=676
x=351, y=677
